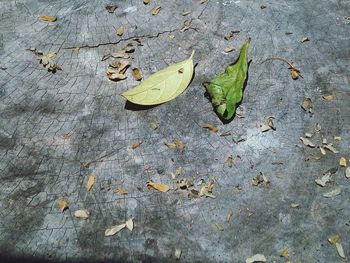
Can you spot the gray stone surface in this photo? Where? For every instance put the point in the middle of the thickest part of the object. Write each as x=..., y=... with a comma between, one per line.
x=38, y=166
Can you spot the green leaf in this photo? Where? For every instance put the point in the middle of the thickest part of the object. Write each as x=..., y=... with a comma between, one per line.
x=163, y=85
x=226, y=89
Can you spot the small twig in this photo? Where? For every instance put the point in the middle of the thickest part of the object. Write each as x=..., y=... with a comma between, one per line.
x=295, y=72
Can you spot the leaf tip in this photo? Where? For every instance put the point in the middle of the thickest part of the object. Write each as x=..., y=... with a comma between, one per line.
x=192, y=54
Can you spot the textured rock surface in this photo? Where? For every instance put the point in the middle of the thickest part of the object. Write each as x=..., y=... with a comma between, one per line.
x=39, y=165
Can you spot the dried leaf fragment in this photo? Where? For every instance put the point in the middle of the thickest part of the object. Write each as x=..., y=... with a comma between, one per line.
x=82, y=214
x=48, y=18
x=114, y=229
x=170, y=145
x=202, y=1
x=46, y=60
x=333, y=239
x=337, y=138
x=62, y=204
x=229, y=49
x=268, y=125
x=156, y=10
x=330, y=147
x=129, y=224
x=158, y=186
x=230, y=34
x=324, y=179
x=136, y=73
x=304, y=39
x=120, y=31
x=294, y=205
x=259, y=179
x=154, y=125
x=256, y=258
x=340, y=250
x=177, y=253
x=210, y=127
x=219, y=227
x=342, y=162
x=185, y=13
x=307, y=105
x=229, y=216
x=176, y=173
x=146, y=2
x=347, y=172
x=284, y=252
x=294, y=71
x=90, y=182
x=307, y=142
x=136, y=145
x=229, y=161
x=121, y=190
x=328, y=97
x=111, y=8
x=179, y=144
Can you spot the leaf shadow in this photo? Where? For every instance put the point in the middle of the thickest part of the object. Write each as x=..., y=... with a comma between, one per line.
x=223, y=120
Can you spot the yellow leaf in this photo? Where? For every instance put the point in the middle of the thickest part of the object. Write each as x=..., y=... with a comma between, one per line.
x=333, y=239
x=163, y=85
x=342, y=162
x=48, y=18
x=219, y=227
x=62, y=204
x=156, y=10
x=120, y=31
x=160, y=187
x=136, y=73
x=284, y=252
x=90, y=182
x=154, y=125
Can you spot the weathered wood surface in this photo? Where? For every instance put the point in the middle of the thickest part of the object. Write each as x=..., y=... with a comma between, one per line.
x=39, y=165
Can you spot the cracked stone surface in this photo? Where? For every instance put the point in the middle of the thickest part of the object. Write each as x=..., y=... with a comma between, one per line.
x=57, y=129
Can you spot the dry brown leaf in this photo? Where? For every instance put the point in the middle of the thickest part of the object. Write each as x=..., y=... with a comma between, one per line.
x=129, y=224
x=210, y=127
x=268, y=125
x=256, y=258
x=48, y=18
x=228, y=36
x=260, y=179
x=176, y=173
x=229, y=161
x=177, y=253
x=67, y=136
x=284, y=252
x=307, y=105
x=121, y=190
x=90, y=182
x=136, y=73
x=179, y=144
x=120, y=31
x=146, y=2
x=333, y=239
x=219, y=227
x=307, y=142
x=156, y=10
x=170, y=145
x=206, y=190
x=154, y=125
x=82, y=214
x=114, y=230
x=120, y=54
x=136, y=145
x=229, y=216
x=328, y=97
x=158, y=186
x=229, y=49
x=111, y=8
x=347, y=172
x=62, y=204
x=342, y=162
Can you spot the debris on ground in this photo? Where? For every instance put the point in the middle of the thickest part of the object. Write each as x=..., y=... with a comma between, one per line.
x=82, y=214
x=158, y=186
x=256, y=258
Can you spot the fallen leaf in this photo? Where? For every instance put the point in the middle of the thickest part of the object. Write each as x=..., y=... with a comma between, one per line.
x=82, y=214
x=136, y=145
x=90, y=182
x=333, y=239
x=284, y=252
x=156, y=10
x=308, y=135
x=154, y=125
x=210, y=127
x=337, y=138
x=219, y=227
x=46, y=60
x=304, y=39
x=62, y=204
x=307, y=105
x=347, y=172
x=170, y=36
x=336, y=191
x=120, y=54
x=120, y=31
x=111, y=8
x=227, y=133
x=202, y=1
x=294, y=71
x=170, y=145
x=268, y=125
x=340, y=250
x=323, y=151
x=307, y=142
x=48, y=18
x=129, y=224
x=136, y=73
x=256, y=258
x=229, y=216
x=259, y=179
x=226, y=89
x=114, y=229
x=330, y=147
x=163, y=85
x=176, y=173
x=185, y=13
x=230, y=34
x=342, y=162
x=229, y=49
x=324, y=179
x=158, y=186
x=146, y=2
x=121, y=191
x=229, y=161
x=328, y=97
x=206, y=190
x=177, y=253
x=179, y=144
x=294, y=205
x=183, y=184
